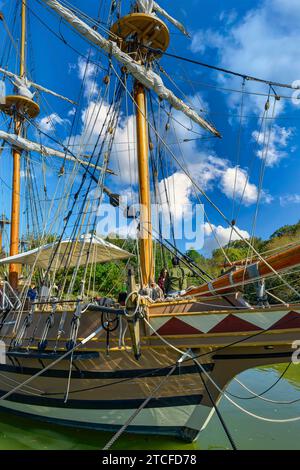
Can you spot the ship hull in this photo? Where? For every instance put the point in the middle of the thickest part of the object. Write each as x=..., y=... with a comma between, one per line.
x=108, y=386
x=170, y=421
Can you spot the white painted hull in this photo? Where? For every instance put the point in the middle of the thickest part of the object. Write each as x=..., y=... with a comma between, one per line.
x=183, y=421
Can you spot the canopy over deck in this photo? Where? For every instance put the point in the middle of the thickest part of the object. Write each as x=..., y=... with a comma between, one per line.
x=87, y=249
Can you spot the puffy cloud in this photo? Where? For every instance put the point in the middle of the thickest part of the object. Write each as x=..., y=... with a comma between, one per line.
x=206, y=168
x=175, y=193
x=289, y=199
x=95, y=119
x=273, y=144
x=228, y=17
x=72, y=112
x=216, y=236
x=88, y=72
x=235, y=183
x=211, y=171
x=264, y=43
x=48, y=123
x=203, y=39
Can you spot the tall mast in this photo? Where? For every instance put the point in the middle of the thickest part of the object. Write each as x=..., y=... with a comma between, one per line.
x=133, y=31
x=146, y=248
x=16, y=186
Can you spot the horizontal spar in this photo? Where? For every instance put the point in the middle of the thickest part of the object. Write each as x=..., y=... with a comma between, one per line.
x=38, y=87
x=30, y=146
x=146, y=77
x=279, y=262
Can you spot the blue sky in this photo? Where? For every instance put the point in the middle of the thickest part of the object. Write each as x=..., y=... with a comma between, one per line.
x=258, y=38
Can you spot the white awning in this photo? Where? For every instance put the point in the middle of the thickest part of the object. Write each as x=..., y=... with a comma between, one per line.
x=70, y=253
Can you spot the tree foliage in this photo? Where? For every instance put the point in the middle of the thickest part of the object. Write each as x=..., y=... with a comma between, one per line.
x=110, y=278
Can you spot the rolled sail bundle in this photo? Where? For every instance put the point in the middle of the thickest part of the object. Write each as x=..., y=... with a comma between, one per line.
x=145, y=6
x=21, y=81
x=261, y=269
x=29, y=146
x=158, y=9
x=146, y=77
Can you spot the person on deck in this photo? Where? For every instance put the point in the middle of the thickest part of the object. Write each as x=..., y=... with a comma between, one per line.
x=32, y=293
x=162, y=279
x=156, y=291
x=176, y=279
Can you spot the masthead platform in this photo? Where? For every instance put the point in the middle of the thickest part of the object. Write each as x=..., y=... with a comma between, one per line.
x=142, y=29
x=21, y=104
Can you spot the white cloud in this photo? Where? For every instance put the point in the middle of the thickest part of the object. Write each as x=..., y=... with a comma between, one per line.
x=264, y=43
x=289, y=199
x=228, y=17
x=125, y=231
x=72, y=112
x=234, y=183
x=178, y=188
x=201, y=40
x=49, y=123
x=95, y=119
x=206, y=168
x=209, y=170
x=88, y=72
x=273, y=144
x=216, y=236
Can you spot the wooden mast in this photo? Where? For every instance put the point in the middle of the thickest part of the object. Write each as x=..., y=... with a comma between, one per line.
x=132, y=32
x=16, y=186
x=145, y=232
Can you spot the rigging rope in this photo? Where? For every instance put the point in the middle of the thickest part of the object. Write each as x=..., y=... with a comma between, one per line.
x=224, y=70
x=224, y=394
x=138, y=410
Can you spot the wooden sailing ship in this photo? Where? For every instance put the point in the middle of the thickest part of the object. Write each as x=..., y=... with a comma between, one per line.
x=77, y=362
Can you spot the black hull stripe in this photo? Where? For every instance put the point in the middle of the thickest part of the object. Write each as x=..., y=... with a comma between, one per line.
x=163, y=402
x=43, y=355
x=116, y=374
x=253, y=356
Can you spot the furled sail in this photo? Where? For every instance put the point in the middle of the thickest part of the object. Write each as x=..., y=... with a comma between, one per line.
x=145, y=6
x=29, y=146
x=279, y=262
x=172, y=20
x=24, y=82
x=22, y=86
x=146, y=77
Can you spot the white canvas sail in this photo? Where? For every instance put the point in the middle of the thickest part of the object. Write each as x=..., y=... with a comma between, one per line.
x=29, y=146
x=165, y=14
x=145, y=6
x=148, y=78
x=22, y=86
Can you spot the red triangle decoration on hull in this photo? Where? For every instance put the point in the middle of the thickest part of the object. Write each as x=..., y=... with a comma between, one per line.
x=234, y=324
x=290, y=320
x=178, y=327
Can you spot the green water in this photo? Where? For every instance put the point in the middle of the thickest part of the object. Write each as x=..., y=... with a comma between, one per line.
x=247, y=432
